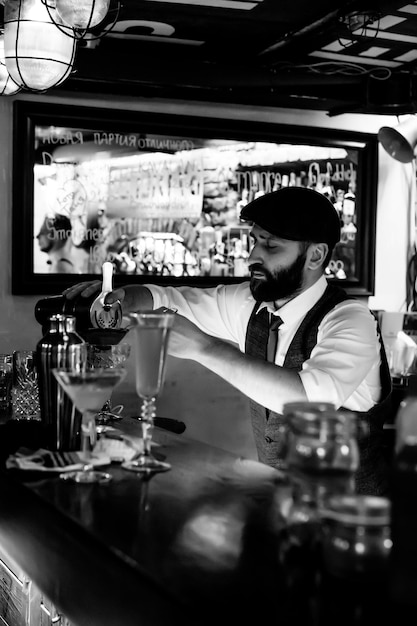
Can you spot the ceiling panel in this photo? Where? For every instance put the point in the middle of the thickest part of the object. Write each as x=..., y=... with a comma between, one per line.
x=328, y=55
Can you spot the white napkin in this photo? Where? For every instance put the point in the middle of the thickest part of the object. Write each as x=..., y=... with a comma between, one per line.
x=106, y=451
x=401, y=354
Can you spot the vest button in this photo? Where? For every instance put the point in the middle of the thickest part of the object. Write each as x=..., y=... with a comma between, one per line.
x=268, y=439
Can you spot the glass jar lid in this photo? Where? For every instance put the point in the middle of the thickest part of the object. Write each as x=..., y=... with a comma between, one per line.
x=358, y=510
x=307, y=408
x=319, y=418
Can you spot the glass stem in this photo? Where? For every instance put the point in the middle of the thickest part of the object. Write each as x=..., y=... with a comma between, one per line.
x=88, y=437
x=147, y=417
x=107, y=405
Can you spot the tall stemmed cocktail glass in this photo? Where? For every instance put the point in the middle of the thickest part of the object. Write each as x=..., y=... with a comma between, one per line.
x=88, y=389
x=152, y=331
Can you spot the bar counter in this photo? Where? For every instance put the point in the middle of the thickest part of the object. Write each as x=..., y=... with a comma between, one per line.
x=190, y=546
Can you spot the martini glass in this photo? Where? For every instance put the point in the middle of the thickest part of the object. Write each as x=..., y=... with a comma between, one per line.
x=88, y=390
x=152, y=331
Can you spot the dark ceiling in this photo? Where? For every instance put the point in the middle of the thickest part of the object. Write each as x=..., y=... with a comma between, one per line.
x=351, y=56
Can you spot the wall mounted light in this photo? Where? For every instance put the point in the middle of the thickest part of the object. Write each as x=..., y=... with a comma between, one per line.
x=400, y=142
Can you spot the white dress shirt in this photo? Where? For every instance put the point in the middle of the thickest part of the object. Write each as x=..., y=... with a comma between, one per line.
x=343, y=367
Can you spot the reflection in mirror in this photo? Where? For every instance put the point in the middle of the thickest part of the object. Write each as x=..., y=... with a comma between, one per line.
x=165, y=205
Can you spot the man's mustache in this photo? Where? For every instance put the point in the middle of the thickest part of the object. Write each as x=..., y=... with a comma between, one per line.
x=257, y=267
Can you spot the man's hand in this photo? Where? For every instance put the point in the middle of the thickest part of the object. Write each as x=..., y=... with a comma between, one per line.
x=85, y=290
x=131, y=297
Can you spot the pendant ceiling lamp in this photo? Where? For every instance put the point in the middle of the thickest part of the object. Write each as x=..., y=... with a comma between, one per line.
x=38, y=55
x=82, y=14
x=7, y=85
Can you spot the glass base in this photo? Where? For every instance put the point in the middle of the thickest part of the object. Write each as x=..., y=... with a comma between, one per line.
x=105, y=417
x=86, y=477
x=146, y=465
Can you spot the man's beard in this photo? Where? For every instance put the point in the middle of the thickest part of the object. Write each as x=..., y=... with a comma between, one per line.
x=280, y=284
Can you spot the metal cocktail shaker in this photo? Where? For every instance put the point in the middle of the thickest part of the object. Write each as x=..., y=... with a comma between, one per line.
x=61, y=346
x=81, y=309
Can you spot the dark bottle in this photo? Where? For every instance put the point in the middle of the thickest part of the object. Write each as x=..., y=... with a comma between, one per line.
x=403, y=565
x=60, y=347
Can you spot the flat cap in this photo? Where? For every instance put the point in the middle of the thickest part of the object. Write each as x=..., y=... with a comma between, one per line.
x=295, y=213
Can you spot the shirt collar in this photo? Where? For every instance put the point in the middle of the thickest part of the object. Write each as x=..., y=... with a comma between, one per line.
x=298, y=307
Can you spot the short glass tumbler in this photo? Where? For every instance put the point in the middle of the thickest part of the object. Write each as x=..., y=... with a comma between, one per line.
x=25, y=388
x=6, y=377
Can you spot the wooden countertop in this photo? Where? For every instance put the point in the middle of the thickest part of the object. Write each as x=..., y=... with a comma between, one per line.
x=188, y=546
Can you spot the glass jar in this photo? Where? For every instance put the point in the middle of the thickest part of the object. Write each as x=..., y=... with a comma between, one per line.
x=357, y=536
x=355, y=556
x=321, y=454
x=318, y=438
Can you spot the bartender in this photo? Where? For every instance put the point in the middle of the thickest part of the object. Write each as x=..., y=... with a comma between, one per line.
x=328, y=349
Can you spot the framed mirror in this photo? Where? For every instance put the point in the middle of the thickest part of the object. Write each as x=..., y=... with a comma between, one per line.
x=160, y=195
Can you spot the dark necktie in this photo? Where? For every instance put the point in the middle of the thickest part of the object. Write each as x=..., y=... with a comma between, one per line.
x=273, y=338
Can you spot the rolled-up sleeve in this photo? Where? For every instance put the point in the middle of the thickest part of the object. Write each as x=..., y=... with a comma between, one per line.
x=222, y=311
x=343, y=367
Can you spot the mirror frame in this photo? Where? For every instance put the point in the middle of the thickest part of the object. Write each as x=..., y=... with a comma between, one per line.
x=26, y=115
